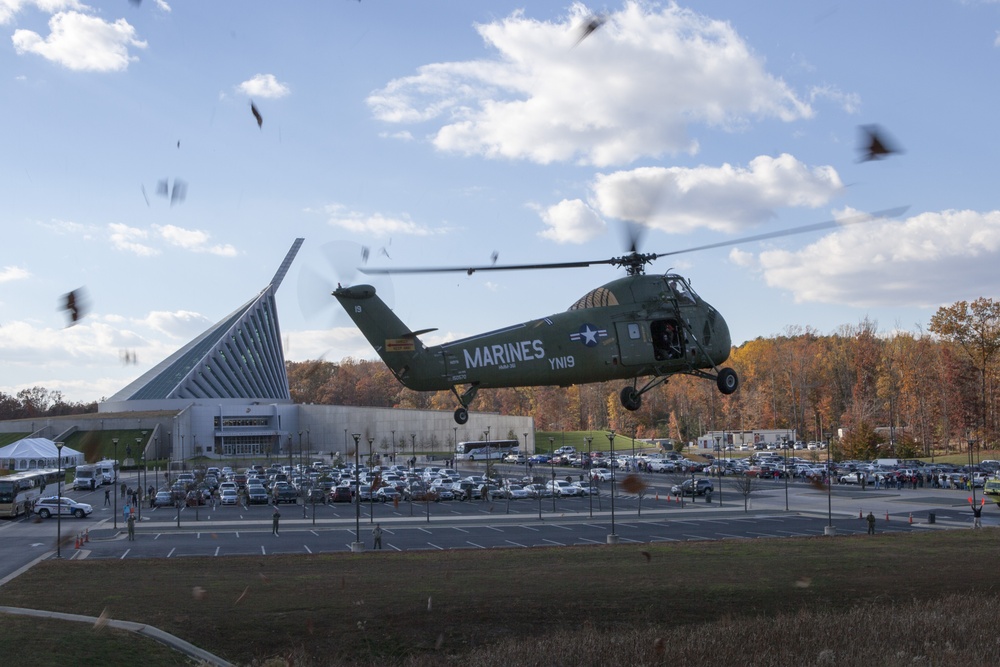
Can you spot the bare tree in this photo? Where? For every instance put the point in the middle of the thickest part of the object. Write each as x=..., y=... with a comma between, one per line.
x=745, y=485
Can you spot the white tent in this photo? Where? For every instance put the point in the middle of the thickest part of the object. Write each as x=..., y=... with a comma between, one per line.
x=30, y=453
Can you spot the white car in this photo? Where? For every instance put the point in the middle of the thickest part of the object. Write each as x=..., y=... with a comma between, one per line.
x=46, y=507
x=516, y=492
x=561, y=487
x=229, y=497
x=602, y=474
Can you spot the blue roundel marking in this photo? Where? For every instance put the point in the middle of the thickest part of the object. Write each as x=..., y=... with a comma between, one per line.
x=588, y=333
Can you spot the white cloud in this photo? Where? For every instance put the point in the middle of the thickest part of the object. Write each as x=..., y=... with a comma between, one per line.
x=195, y=240
x=182, y=324
x=11, y=273
x=926, y=260
x=571, y=221
x=375, y=224
x=849, y=102
x=264, y=85
x=81, y=42
x=632, y=89
x=128, y=239
x=726, y=198
x=9, y=8
x=163, y=6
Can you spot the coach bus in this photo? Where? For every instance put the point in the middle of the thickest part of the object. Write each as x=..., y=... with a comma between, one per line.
x=482, y=450
x=20, y=490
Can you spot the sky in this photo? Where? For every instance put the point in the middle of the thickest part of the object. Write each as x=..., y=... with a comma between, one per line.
x=449, y=132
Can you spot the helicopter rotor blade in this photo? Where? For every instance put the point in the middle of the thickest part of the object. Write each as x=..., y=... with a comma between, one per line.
x=815, y=227
x=491, y=267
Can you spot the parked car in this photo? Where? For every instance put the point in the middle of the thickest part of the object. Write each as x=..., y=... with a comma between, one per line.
x=256, y=494
x=163, y=499
x=516, y=492
x=699, y=488
x=46, y=507
x=341, y=494
x=387, y=494
x=229, y=497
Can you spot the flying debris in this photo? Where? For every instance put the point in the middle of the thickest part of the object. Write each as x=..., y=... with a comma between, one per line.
x=256, y=114
x=592, y=24
x=494, y=256
x=128, y=357
x=176, y=194
x=179, y=192
x=75, y=305
x=364, y=254
x=144, y=195
x=875, y=144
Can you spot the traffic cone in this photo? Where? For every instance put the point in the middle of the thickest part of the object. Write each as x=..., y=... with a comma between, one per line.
x=86, y=536
x=887, y=515
x=76, y=545
x=911, y=518
x=657, y=495
x=859, y=515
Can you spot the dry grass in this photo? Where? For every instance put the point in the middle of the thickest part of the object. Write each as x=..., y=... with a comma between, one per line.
x=913, y=599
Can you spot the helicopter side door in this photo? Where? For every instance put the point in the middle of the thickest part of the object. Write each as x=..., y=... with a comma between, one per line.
x=648, y=342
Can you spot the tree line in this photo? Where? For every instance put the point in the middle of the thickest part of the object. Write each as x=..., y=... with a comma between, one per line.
x=874, y=392
x=40, y=402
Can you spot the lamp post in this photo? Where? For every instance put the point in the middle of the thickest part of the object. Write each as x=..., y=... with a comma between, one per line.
x=487, y=453
x=525, y=454
x=784, y=445
x=590, y=475
x=357, y=545
x=145, y=472
x=114, y=491
x=413, y=439
x=393, y=447
x=829, y=490
x=612, y=538
x=371, y=503
x=138, y=448
x=552, y=467
x=59, y=446
x=972, y=443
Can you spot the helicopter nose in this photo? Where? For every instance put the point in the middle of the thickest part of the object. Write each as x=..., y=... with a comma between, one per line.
x=722, y=342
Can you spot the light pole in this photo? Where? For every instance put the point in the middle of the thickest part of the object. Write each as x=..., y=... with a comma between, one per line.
x=393, y=447
x=145, y=473
x=413, y=439
x=59, y=446
x=784, y=444
x=829, y=490
x=590, y=475
x=552, y=467
x=371, y=503
x=114, y=490
x=526, y=454
x=612, y=538
x=487, y=453
x=138, y=448
x=357, y=545
x=972, y=443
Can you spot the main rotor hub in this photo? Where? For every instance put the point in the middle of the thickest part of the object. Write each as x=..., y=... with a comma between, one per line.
x=635, y=262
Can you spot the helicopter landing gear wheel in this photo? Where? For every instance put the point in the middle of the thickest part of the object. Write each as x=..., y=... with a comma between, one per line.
x=727, y=381
x=631, y=399
x=461, y=416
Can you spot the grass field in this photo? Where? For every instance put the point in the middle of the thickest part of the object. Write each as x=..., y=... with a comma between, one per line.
x=732, y=601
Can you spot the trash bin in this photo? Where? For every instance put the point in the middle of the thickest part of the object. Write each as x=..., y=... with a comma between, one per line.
x=931, y=517
x=708, y=496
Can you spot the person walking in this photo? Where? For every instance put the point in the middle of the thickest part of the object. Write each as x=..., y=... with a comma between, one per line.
x=871, y=523
x=274, y=520
x=377, y=535
x=130, y=522
x=107, y=497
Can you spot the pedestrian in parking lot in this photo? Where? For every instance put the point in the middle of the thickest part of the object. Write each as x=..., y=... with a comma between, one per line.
x=871, y=523
x=274, y=521
x=123, y=489
x=130, y=522
x=377, y=534
x=977, y=516
x=107, y=497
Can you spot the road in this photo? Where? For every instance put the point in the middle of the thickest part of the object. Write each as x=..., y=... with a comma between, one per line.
x=656, y=517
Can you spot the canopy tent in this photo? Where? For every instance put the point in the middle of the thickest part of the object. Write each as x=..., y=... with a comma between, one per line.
x=31, y=453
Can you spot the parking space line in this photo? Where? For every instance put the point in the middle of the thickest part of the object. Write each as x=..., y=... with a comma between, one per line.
x=478, y=546
x=436, y=546
x=699, y=537
x=729, y=536
x=587, y=539
x=171, y=552
x=529, y=528
x=306, y=547
x=499, y=530
x=661, y=538
x=461, y=530
x=237, y=534
x=426, y=531
x=262, y=551
x=124, y=554
x=556, y=525
x=314, y=533
x=558, y=544
x=217, y=550
x=516, y=544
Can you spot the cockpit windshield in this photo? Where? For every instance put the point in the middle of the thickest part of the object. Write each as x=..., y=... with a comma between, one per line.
x=681, y=289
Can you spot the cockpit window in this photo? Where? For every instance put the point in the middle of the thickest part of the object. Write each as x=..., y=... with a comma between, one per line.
x=681, y=289
x=595, y=298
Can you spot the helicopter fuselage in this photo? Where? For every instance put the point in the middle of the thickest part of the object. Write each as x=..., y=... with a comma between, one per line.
x=631, y=327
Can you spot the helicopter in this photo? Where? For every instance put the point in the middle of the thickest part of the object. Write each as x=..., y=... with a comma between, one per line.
x=637, y=326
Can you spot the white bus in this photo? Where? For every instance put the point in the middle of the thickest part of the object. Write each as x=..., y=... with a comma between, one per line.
x=482, y=450
x=20, y=490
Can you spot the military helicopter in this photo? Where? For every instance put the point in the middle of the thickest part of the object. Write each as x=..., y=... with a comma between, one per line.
x=638, y=326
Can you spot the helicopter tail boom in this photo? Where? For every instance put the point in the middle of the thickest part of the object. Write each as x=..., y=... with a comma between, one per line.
x=392, y=340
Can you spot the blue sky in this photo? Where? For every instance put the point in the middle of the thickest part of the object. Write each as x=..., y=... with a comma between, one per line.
x=443, y=132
